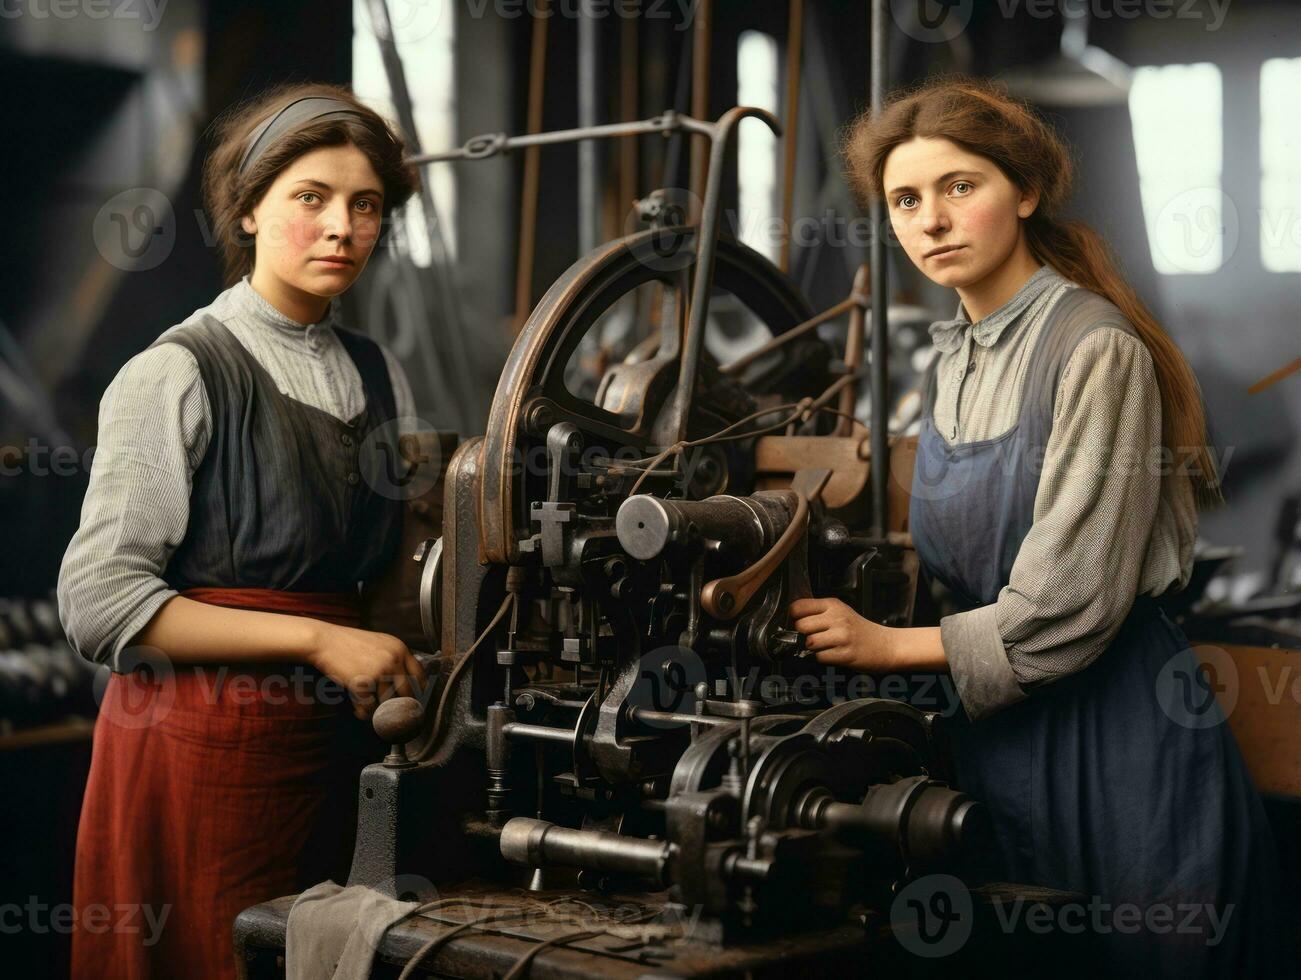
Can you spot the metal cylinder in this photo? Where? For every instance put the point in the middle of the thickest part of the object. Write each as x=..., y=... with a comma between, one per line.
x=931, y=825
x=536, y=843
x=498, y=761
x=646, y=525
x=541, y=733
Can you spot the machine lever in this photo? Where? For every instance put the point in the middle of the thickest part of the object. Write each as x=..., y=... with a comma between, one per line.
x=725, y=598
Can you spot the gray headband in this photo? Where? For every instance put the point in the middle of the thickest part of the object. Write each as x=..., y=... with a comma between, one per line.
x=291, y=117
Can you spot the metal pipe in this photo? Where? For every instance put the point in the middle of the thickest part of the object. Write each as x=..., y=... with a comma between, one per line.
x=745, y=360
x=647, y=715
x=853, y=352
x=794, y=58
x=491, y=144
x=543, y=733
x=629, y=90
x=706, y=248
x=589, y=184
x=880, y=289
x=460, y=378
x=701, y=36
x=528, y=221
x=537, y=843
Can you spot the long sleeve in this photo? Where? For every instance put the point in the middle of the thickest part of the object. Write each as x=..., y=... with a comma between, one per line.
x=1077, y=571
x=154, y=425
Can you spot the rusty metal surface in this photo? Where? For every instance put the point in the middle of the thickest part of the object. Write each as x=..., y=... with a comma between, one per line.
x=779, y=458
x=673, y=946
x=533, y=370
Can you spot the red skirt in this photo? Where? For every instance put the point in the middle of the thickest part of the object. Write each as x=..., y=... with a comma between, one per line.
x=212, y=788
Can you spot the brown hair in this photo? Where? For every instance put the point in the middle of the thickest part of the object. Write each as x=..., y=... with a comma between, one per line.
x=228, y=195
x=981, y=117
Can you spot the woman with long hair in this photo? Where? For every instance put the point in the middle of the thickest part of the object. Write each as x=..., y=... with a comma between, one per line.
x=1062, y=458
x=234, y=507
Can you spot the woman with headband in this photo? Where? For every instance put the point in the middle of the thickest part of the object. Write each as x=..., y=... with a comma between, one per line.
x=236, y=502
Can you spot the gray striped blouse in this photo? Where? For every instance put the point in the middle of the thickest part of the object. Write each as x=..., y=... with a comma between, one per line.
x=1101, y=534
x=154, y=426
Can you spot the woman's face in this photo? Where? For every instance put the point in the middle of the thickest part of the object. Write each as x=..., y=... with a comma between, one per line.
x=325, y=204
x=956, y=214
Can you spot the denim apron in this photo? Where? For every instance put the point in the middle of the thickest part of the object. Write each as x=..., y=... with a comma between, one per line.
x=1093, y=786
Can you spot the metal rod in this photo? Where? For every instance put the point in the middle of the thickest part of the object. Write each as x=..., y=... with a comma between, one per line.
x=589, y=182
x=702, y=36
x=703, y=272
x=648, y=715
x=629, y=89
x=543, y=733
x=794, y=333
x=794, y=58
x=880, y=289
x=491, y=144
x=528, y=221
x=853, y=352
x=461, y=376
x=537, y=843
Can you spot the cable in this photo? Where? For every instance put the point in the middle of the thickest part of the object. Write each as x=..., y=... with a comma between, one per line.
x=454, y=675
x=521, y=968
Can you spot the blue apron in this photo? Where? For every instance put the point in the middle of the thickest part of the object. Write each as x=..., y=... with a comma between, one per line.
x=1094, y=786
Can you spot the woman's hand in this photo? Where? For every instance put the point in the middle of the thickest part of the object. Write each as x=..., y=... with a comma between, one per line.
x=372, y=666
x=842, y=637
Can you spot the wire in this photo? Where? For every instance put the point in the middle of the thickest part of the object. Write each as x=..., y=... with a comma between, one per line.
x=452, y=678
x=521, y=968
x=438, y=942
x=803, y=407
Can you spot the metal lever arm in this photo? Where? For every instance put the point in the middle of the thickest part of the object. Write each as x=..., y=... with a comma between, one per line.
x=726, y=598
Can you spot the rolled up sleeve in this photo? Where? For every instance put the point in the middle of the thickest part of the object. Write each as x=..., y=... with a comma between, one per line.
x=153, y=432
x=1077, y=570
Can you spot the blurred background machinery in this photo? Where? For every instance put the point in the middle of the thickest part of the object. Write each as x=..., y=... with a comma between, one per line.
x=1188, y=163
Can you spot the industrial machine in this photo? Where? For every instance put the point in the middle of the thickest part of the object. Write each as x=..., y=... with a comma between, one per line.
x=622, y=703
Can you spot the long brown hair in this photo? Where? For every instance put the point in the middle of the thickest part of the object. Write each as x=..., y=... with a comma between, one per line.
x=981, y=117
x=228, y=195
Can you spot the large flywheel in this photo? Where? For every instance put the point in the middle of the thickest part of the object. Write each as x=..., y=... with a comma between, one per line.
x=628, y=413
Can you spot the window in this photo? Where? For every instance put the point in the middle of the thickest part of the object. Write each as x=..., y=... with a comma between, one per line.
x=1177, y=113
x=425, y=36
x=1280, y=166
x=756, y=85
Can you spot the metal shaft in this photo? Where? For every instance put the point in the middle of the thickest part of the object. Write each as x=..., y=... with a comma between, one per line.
x=880, y=290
